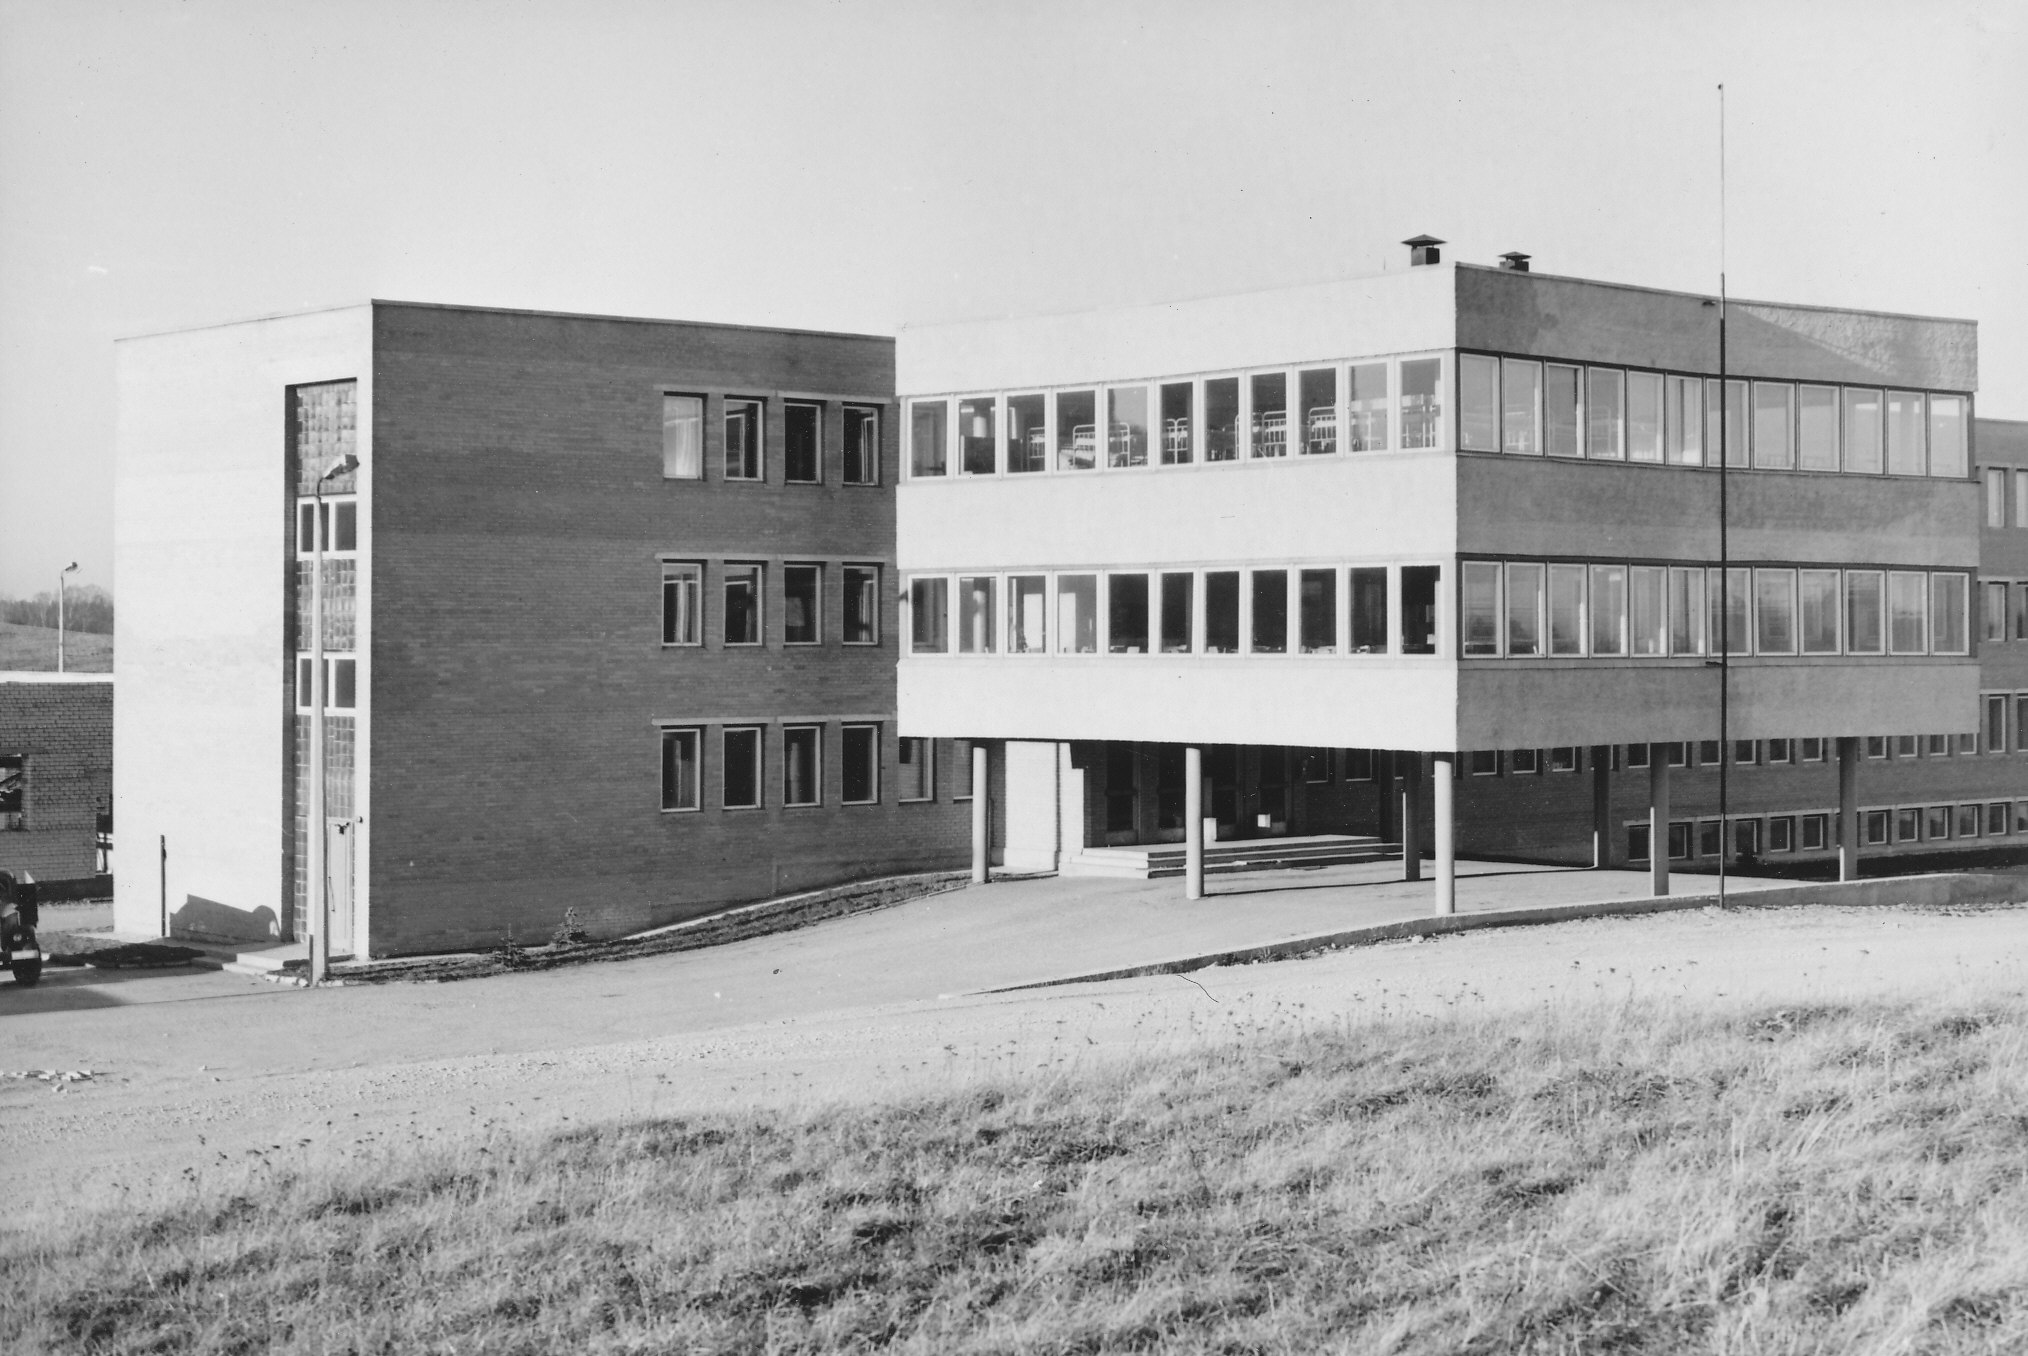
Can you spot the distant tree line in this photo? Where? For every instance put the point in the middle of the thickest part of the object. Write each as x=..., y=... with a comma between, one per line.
x=85, y=608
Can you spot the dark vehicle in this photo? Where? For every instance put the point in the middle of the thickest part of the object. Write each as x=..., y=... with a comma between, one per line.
x=18, y=917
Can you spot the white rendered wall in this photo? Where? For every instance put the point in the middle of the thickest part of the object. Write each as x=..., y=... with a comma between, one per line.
x=203, y=564
x=1031, y=808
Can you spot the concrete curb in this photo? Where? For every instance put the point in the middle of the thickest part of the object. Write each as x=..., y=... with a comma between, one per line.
x=1943, y=888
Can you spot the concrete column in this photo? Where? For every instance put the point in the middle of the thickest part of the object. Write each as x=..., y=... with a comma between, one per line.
x=1411, y=832
x=982, y=813
x=1658, y=818
x=1848, y=807
x=1443, y=785
x=1193, y=822
x=1601, y=806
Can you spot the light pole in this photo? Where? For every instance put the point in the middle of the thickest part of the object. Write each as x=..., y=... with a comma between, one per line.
x=68, y=569
x=317, y=886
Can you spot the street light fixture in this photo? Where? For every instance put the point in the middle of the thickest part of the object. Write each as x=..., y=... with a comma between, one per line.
x=320, y=914
x=68, y=569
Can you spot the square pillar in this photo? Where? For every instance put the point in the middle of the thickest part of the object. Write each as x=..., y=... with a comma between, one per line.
x=982, y=818
x=1411, y=829
x=1658, y=818
x=1193, y=822
x=1601, y=806
x=1443, y=789
x=1848, y=807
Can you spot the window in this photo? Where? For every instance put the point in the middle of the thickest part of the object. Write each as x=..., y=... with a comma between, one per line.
x=2021, y=816
x=1710, y=838
x=13, y=791
x=1608, y=609
x=2021, y=498
x=802, y=764
x=1127, y=613
x=1679, y=842
x=862, y=445
x=1817, y=428
x=1876, y=828
x=1127, y=426
x=1077, y=613
x=1707, y=753
x=1731, y=593
x=802, y=442
x=961, y=769
x=928, y=615
x=1480, y=613
x=1818, y=611
x=1686, y=611
x=682, y=769
x=1525, y=762
x=1638, y=755
x=1812, y=750
x=742, y=604
x=1177, y=589
x=1270, y=414
x=916, y=767
x=341, y=524
x=1027, y=437
x=1524, y=609
x=1421, y=403
x=860, y=750
x=1996, y=818
x=1876, y=746
x=743, y=436
x=1905, y=746
x=682, y=603
x=1648, y=610
x=1366, y=408
x=1683, y=414
x=1780, y=751
x=1563, y=759
x=1936, y=821
x=1733, y=429
x=682, y=437
x=1950, y=599
x=1317, y=390
x=1605, y=414
x=1478, y=403
x=1745, y=839
x=1774, y=611
x=1865, y=611
x=1028, y=614
x=1816, y=832
x=1907, y=612
x=1993, y=611
x=1781, y=833
x=1484, y=762
x=1968, y=742
x=1520, y=406
x=1359, y=765
x=802, y=604
x=1637, y=842
x=978, y=619
x=1996, y=496
x=861, y=612
x=2021, y=723
x=1560, y=389
x=1221, y=419
x=1317, y=624
x=1905, y=420
x=1369, y=610
x=1176, y=409
x=1566, y=609
x=1419, y=585
x=1996, y=723
x=1076, y=430
x=927, y=436
x=742, y=746
x=975, y=436
x=1644, y=416
x=1745, y=753
x=1270, y=612
x=2020, y=628
x=1313, y=766
x=1864, y=439
x=1947, y=445
x=1774, y=426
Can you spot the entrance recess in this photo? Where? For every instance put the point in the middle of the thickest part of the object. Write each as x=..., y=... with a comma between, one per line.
x=338, y=840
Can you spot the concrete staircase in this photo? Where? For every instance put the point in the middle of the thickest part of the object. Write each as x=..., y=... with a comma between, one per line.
x=1154, y=861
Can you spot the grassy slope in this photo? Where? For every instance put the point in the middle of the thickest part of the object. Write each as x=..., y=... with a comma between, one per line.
x=1630, y=1179
x=33, y=648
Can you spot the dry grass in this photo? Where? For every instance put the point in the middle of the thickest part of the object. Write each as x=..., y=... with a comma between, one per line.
x=33, y=648
x=1628, y=1179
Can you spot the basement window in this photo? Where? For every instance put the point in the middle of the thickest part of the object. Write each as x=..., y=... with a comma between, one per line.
x=1816, y=832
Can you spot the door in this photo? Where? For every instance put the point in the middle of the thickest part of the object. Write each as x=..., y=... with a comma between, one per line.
x=1123, y=794
x=339, y=836
x=1169, y=793
x=1221, y=769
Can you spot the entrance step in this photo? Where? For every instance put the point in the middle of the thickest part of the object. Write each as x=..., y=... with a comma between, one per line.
x=1154, y=861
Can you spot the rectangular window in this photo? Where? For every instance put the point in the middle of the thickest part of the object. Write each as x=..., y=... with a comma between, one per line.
x=859, y=752
x=1221, y=419
x=976, y=436
x=978, y=618
x=1685, y=420
x=861, y=605
x=928, y=436
x=802, y=442
x=1996, y=496
x=1563, y=759
x=682, y=437
x=1638, y=755
x=1520, y=406
x=1779, y=751
x=802, y=604
x=1774, y=426
x=1524, y=762
x=341, y=526
x=1177, y=600
x=1863, y=437
x=1707, y=753
x=929, y=615
x=1605, y=414
x=1369, y=610
x=1127, y=613
x=1876, y=828
x=1317, y=396
x=1731, y=611
x=961, y=769
x=1221, y=612
x=1366, y=408
x=1812, y=750
x=1637, y=842
x=916, y=768
x=1524, y=609
x=1710, y=838
x=682, y=603
x=1644, y=416
x=1317, y=626
x=2021, y=498
x=1817, y=428
x=1313, y=766
x=1566, y=609
x=1484, y=762
x=742, y=763
x=1905, y=427
x=1077, y=613
x=1996, y=818
x=344, y=684
x=1905, y=745
x=1176, y=412
x=1419, y=585
x=1027, y=434
x=2021, y=816
x=1270, y=414
x=861, y=445
x=1993, y=611
x=1479, y=629
x=1937, y=822
x=682, y=769
x=1608, y=609
x=1648, y=610
x=1359, y=765
x=744, y=426
x=1907, y=612
x=1076, y=430
x=1968, y=742
x=2021, y=723
x=1816, y=832
x=742, y=604
x=1560, y=390
x=1745, y=752
x=1876, y=746
x=1950, y=603
x=1774, y=611
x=1127, y=426
x=1478, y=403
x=1865, y=612
x=1679, y=842
x=1996, y=724
x=1422, y=405
x=1028, y=614
x=1686, y=611
x=1781, y=834
x=1948, y=455
x=802, y=771
x=1745, y=839
x=1270, y=612
x=1818, y=609
x=2019, y=630
x=1734, y=430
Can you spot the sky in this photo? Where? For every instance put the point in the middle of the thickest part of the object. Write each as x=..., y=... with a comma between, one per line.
x=862, y=166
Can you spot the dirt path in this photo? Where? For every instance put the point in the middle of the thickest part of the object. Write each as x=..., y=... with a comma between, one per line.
x=221, y=1081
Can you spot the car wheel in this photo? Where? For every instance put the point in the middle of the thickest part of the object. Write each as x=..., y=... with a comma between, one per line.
x=26, y=972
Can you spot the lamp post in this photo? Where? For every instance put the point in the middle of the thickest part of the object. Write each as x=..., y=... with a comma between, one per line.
x=68, y=569
x=317, y=886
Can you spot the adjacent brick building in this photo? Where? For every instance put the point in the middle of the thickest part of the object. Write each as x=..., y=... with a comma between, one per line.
x=56, y=773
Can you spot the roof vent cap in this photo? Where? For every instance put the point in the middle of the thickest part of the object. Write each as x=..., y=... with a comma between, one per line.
x=1422, y=249
x=1514, y=261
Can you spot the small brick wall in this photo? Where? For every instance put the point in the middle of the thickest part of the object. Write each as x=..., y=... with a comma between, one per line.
x=65, y=731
